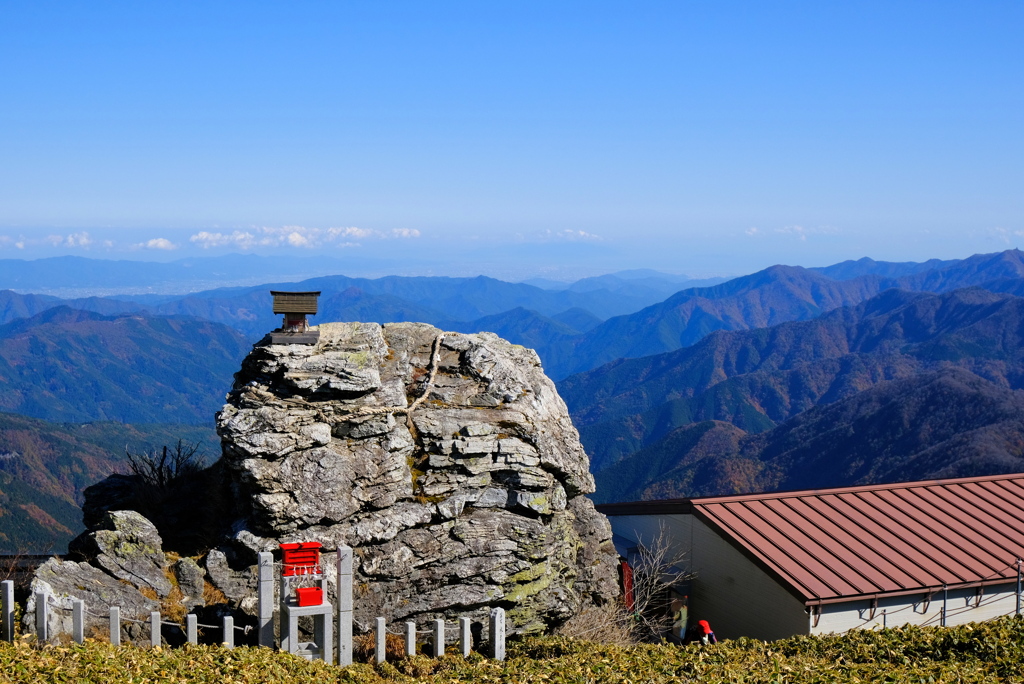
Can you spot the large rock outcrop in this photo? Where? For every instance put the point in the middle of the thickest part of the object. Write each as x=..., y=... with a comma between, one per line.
x=447, y=461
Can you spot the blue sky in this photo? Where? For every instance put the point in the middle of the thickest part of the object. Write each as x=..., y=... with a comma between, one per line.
x=538, y=138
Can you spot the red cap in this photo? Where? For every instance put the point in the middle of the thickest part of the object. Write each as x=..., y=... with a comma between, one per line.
x=705, y=626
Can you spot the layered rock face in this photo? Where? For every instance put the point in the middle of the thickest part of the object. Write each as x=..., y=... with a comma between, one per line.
x=447, y=461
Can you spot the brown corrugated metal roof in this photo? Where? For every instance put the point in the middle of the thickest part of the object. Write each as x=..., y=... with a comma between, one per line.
x=836, y=544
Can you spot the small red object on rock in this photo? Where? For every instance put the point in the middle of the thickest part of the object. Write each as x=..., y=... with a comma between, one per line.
x=309, y=596
x=301, y=559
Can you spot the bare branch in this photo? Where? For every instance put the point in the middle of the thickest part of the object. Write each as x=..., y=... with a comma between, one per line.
x=658, y=567
x=161, y=469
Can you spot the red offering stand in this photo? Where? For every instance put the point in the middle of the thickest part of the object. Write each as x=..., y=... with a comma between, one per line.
x=301, y=559
x=300, y=564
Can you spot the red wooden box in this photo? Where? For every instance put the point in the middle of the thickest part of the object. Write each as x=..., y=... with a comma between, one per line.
x=309, y=596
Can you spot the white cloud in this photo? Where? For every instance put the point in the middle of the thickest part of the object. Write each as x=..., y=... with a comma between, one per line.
x=1005, y=236
x=752, y=231
x=571, y=236
x=159, y=243
x=296, y=236
x=405, y=233
x=239, y=239
x=801, y=233
x=297, y=239
x=353, y=232
x=81, y=239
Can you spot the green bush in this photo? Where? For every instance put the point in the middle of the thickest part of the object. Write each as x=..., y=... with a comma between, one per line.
x=988, y=652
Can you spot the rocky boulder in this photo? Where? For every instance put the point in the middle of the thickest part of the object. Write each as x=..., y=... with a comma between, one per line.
x=65, y=581
x=129, y=548
x=122, y=565
x=446, y=460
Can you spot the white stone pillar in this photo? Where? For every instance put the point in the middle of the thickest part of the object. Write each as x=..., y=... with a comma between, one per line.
x=154, y=629
x=381, y=642
x=438, y=638
x=345, y=606
x=115, y=625
x=265, y=594
x=410, y=638
x=228, y=632
x=192, y=628
x=498, y=633
x=465, y=637
x=78, y=621
x=42, y=604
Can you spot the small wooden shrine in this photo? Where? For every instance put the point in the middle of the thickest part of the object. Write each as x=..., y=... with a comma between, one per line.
x=295, y=306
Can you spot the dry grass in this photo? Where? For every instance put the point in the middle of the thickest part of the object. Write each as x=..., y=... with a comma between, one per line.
x=607, y=624
x=364, y=647
x=98, y=634
x=172, y=607
x=212, y=596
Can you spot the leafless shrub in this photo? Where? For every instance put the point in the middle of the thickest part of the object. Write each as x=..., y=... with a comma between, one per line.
x=9, y=566
x=160, y=469
x=657, y=569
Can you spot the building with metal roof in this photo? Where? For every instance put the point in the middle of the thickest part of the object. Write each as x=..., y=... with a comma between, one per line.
x=826, y=561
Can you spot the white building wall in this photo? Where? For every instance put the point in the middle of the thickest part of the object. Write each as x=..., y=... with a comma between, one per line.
x=728, y=590
x=677, y=530
x=962, y=606
x=736, y=596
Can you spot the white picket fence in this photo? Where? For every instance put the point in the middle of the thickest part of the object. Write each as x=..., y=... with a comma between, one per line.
x=333, y=633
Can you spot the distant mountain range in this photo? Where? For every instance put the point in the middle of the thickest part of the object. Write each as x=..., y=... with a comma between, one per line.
x=702, y=390
x=44, y=467
x=70, y=365
x=582, y=325
x=769, y=297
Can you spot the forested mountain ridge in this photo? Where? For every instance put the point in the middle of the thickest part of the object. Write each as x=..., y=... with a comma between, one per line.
x=774, y=295
x=70, y=365
x=755, y=379
x=44, y=467
x=939, y=424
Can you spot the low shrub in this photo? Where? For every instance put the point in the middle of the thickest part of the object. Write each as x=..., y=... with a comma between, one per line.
x=987, y=652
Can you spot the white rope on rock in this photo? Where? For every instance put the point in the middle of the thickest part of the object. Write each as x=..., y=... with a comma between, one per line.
x=435, y=354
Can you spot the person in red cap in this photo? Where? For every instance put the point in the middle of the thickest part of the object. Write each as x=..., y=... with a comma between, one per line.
x=708, y=637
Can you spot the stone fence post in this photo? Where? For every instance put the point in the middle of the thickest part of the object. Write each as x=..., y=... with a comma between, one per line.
x=345, y=606
x=265, y=594
x=7, y=610
x=42, y=604
x=498, y=633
